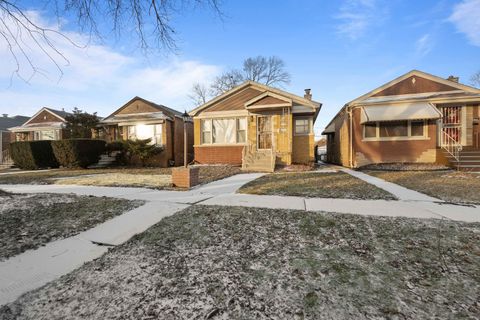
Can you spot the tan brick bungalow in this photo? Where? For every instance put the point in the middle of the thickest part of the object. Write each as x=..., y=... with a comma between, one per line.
x=417, y=117
x=143, y=119
x=46, y=124
x=255, y=126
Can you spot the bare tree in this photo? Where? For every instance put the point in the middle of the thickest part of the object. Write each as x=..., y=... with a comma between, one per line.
x=475, y=79
x=149, y=20
x=199, y=94
x=270, y=71
x=226, y=81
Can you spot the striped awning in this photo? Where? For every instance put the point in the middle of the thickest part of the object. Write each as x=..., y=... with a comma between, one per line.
x=403, y=111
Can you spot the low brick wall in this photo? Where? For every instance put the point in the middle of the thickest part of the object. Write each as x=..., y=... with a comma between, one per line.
x=219, y=155
x=185, y=177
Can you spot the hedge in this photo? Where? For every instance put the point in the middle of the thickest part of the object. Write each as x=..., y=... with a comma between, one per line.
x=74, y=153
x=32, y=155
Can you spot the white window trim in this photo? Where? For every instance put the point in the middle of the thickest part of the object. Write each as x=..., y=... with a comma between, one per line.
x=310, y=126
x=211, y=143
x=405, y=138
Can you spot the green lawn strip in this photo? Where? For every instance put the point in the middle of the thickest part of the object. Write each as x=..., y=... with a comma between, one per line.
x=250, y=263
x=450, y=186
x=315, y=185
x=28, y=221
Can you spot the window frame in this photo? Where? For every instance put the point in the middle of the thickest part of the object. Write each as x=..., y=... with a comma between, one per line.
x=212, y=143
x=131, y=132
x=309, y=124
x=400, y=138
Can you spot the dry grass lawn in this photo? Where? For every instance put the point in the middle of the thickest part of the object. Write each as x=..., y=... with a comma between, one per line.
x=211, y=262
x=315, y=185
x=135, y=177
x=461, y=187
x=120, y=180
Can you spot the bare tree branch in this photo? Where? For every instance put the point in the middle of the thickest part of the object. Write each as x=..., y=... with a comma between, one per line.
x=226, y=81
x=475, y=79
x=200, y=94
x=149, y=20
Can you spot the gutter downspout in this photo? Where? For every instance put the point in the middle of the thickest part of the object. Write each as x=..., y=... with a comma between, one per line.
x=350, y=133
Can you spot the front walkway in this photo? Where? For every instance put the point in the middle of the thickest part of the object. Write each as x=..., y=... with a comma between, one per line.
x=35, y=268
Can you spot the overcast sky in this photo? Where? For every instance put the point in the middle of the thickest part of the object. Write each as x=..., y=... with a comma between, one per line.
x=339, y=49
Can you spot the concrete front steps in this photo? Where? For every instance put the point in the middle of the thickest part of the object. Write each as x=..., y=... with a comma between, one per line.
x=469, y=160
x=106, y=160
x=259, y=161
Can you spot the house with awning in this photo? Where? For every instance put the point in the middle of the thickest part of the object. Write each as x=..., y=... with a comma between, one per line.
x=415, y=118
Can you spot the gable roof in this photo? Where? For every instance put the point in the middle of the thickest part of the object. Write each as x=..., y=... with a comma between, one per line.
x=251, y=90
x=60, y=114
x=447, y=90
x=443, y=85
x=8, y=122
x=168, y=111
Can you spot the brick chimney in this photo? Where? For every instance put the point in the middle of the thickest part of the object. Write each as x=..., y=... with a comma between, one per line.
x=453, y=78
x=307, y=94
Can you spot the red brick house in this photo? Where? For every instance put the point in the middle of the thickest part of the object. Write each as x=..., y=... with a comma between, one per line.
x=46, y=124
x=255, y=126
x=143, y=119
x=417, y=117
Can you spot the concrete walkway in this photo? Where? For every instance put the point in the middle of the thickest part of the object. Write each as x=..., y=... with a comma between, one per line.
x=35, y=268
x=400, y=192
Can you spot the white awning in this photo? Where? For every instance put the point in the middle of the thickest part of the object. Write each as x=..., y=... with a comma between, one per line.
x=330, y=128
x=404, y=111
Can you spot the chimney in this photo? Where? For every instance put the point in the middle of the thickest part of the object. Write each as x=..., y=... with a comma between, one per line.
x=5, y=115
x=453, y=78
x=307, y=94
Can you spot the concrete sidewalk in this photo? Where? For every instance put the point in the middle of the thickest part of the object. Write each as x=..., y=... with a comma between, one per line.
x=34, y=268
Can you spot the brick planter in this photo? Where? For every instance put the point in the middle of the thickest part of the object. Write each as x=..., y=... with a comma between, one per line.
x=185, y=177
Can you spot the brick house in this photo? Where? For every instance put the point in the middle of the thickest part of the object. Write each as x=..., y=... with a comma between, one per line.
x=46, y=124
x=255, y=126
x=143, y=119
x=6, y=136
x=415, y=118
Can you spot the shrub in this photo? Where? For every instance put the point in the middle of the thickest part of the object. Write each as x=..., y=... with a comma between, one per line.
x=32, y=155
x=72, y=153
x=115, y=146
x=141, y=150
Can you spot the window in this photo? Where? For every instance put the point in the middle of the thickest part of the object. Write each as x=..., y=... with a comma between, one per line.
x=394, y=129
x=206, y=128
x=391, y=130
x=417, y=128
x=370, y=130
x=241, y=130
x=223, y=131
x=302, y=126
x=144, y=131
x=46, y=135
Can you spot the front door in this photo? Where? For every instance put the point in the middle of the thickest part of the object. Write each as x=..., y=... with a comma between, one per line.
x=264, y=132
x=451, y=125
x=476, y=127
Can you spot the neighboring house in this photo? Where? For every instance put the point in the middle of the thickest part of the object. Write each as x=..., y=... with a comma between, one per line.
x=255, y=126
x=417, y=117
x=143, y=119
x=6, y=136
x=46, y=124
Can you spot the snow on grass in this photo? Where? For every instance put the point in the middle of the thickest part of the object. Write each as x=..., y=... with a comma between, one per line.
x=210, y=262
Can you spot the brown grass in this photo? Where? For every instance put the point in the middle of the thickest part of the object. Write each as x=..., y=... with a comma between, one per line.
x=449, y=186
x=315, y=185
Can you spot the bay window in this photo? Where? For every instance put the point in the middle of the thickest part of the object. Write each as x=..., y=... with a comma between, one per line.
x=223, y=131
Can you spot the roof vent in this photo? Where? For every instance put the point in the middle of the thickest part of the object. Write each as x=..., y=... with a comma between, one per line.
x=453, y=79
x=307, y=94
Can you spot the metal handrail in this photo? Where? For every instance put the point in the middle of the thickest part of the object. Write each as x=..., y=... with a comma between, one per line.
x=451, y=145
x=6, y=158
